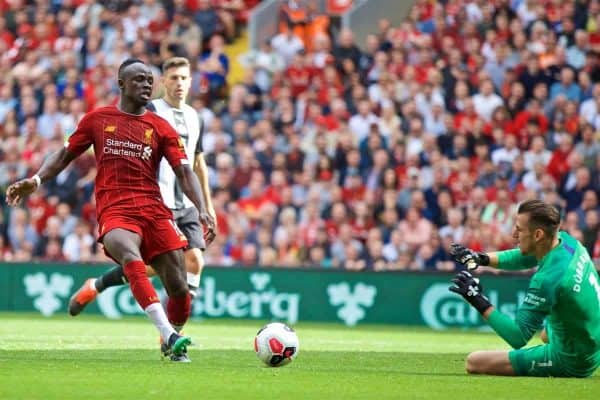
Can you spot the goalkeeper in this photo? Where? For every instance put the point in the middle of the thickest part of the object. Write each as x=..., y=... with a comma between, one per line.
x=564, y=292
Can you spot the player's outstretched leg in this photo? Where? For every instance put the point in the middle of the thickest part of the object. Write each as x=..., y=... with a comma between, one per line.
x=170, y=266
x=81, y=298
x=116, y=277
x=176, y=349
x=93, y=286
x=194, y=263
x=495, y=362
x=124, y=246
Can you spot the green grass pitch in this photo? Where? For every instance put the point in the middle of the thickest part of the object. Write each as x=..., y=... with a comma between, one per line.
x=94, y=358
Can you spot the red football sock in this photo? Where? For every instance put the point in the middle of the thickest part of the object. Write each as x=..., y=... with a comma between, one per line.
x=179, y=310
x=140, y=285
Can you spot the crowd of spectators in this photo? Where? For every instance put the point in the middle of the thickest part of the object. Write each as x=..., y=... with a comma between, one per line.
x=327, y=154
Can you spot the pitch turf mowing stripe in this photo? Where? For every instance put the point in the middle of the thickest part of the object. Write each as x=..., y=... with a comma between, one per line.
x=93, y=358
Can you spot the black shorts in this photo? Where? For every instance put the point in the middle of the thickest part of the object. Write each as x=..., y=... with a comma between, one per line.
x=187, y=221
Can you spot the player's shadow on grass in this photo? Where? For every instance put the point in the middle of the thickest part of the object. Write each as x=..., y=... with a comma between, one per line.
x=361, y=362
x=453, y=374
x=595, y=377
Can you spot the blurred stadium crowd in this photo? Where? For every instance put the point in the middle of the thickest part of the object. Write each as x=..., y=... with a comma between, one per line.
x=327, y=154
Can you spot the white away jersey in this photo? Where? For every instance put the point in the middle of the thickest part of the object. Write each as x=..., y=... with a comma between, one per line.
x=189, y=127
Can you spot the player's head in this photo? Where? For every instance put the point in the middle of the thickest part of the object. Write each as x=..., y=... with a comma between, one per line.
x=135, y=81
x=537, y=223
x=176, y=78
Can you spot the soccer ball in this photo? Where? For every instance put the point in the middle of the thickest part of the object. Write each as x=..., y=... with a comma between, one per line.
x=276, y=344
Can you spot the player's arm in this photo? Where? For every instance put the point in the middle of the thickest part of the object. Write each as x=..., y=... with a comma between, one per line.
x=55, y=163
x=508, y=259
x=174, y=152
x=190, y=186
x=529, y=318
x=50, y=168
x=79, y=141
x=511, y=260
x=519, y=331
x=201, y=171
x=192, y=189
x=530, y=314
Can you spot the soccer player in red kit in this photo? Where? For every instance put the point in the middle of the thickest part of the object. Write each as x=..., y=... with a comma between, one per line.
x=136, y=228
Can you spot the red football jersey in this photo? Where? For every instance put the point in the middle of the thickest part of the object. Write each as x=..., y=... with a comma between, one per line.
x=128, y=149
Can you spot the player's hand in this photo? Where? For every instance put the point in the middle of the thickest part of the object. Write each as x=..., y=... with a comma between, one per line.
x=210, y=226
x=470, y=289
x=19, y=190
x=467, y=257
x=213, y=214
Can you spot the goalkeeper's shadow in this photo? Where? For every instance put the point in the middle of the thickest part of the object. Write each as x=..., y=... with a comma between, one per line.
x=414, y=373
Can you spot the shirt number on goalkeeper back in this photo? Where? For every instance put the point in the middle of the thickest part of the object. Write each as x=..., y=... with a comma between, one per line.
x=594, y=282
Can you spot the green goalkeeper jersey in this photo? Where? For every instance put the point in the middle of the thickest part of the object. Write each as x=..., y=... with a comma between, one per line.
x=565, y=291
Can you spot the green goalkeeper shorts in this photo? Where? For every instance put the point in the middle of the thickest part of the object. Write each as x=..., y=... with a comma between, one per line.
x=543, y=361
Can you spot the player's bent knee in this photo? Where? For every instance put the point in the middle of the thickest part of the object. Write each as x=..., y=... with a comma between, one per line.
x=473, y=364
x=128, y=256
x=194, y=262
x=180, y=293
x=177, y=286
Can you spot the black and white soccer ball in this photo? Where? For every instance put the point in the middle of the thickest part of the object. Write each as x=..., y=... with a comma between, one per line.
x=276, y=344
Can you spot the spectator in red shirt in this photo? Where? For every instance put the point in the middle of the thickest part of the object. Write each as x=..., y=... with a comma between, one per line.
x=251, y=202
x=558, y=164
x=533, y=111
x=278, y=183
x=500, y=119
x=299, y=74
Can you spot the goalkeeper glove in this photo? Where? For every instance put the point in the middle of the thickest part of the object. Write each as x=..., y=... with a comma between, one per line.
x=470, y=289
x=467, y=257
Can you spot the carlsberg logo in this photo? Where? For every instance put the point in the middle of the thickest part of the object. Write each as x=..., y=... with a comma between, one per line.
x=261, y=301
x=441, y=309
x=353, y=302
x=48, y=292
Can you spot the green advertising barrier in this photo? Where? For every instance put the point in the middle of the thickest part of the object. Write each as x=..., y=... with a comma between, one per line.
x=279, y=294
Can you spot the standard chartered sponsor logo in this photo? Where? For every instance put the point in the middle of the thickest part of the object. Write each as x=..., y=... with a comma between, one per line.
x=442, y=309
x=261, y=301
x=147, y=153
x=123, y=148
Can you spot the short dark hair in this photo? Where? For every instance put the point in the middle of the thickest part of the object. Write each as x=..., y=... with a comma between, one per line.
x=542, y=216
x=175, y=62
x=127, y=63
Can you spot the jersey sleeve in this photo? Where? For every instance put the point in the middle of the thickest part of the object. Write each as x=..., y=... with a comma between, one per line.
x=530, y=315
x=514, y=260
x=172, y=146
x=199, y=148
x=83, y=136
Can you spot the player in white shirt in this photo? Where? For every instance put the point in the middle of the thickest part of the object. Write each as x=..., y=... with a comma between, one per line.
x=172, y=107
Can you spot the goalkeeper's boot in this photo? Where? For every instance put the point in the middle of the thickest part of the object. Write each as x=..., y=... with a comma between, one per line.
x=85, y=295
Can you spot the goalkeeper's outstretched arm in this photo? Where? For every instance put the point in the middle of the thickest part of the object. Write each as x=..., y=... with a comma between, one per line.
x=511, y=260
x=515, y=332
